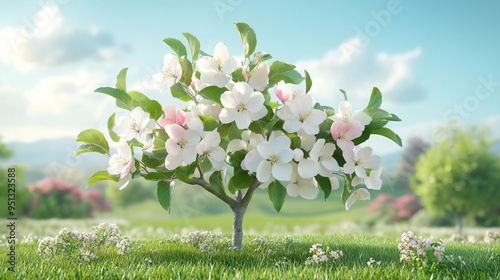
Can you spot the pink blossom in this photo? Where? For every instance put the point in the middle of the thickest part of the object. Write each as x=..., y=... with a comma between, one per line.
x=283, y=91
x=172, y=115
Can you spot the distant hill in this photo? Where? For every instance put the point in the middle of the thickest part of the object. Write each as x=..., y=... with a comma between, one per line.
x=47, y=151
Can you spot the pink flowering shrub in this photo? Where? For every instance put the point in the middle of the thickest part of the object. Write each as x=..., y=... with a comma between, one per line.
x=397, y=208
x=53, y=198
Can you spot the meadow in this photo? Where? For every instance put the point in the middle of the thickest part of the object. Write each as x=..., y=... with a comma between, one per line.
x=276, y=245
x=280, y=258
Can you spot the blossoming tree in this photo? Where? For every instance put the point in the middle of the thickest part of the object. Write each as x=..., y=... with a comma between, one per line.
x=245, y=125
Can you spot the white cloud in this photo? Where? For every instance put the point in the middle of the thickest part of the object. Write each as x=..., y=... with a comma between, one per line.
x=51, y=42
x=352, y=68
x=57, y=106
x=62, y=95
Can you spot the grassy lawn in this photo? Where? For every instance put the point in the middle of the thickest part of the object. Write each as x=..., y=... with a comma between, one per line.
x=167, y=259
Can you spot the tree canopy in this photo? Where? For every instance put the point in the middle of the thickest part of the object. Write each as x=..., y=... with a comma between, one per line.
x=459, y=175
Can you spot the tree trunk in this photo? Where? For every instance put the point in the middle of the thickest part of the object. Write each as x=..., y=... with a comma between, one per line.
x=459, y=224
x=239, y=213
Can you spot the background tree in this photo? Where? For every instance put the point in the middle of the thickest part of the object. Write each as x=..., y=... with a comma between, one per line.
x=459, y=175
x=5, y=152
x=414, y=148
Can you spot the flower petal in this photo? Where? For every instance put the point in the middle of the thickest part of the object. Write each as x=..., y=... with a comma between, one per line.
x=292, y=189
x=123, y=182
x=308, y=190
x=259, y=78
x=282, y=171
x=227, y=115
x=189, y=154
x=242, y=119
x=227, y=100
x=175, y=132
x=264, y=171
x=255, y=103
x=173, y=161
x=359, y=194
x=172, y=146
x=308, y=168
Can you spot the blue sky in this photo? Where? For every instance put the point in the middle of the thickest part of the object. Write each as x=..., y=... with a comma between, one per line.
x=432, y=60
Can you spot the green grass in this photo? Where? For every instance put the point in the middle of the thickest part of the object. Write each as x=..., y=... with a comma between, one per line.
x=173, y=260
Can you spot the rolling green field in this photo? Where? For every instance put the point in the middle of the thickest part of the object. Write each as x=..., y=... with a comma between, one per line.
x=157, y=254
x=164, y=259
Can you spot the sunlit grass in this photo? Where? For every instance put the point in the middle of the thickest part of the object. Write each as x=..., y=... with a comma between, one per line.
x=164, y=259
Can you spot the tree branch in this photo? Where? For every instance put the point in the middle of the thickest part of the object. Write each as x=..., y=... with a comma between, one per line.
x=204, y=184
x=248, y=195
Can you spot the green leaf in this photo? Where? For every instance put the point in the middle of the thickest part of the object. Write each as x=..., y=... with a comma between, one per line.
x=187, y=70
x=164, y=193
x=234, y=132
x=139, y=99
x=327, y=109
x=375, y=99
x=308, y=81
x=154, y=109
x=224, y=129
x=87, y=148
x=292, y=77
x=344, y=94
x=213, y=93
x=205, y=164
x=121, y=80
x=258, y=58
x=153, y=160
x=388, y=133
x=101, y=176
x=209, y=123
x=216, y=182
x=95, y=138
x=277, y=194
x=248, y=37
x=255, y=127
x=158, y=176
x=280, y=71
x=177, y=46
x=111, y=124
x=325, y=185
x=160, y=137
x=123, y=100
x=235, y=158
x=241, y=179
x=279, y=67
x=179, y=93
x=194, y=45
x=186, y=172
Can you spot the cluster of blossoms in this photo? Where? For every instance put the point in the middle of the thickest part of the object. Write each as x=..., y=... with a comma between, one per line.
x=318, y=255
x=264, y=245
x=206, y=241
x=84, y=245
x=491, y=236
x=372, y=262
x=270, y=156
x=416, y=250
